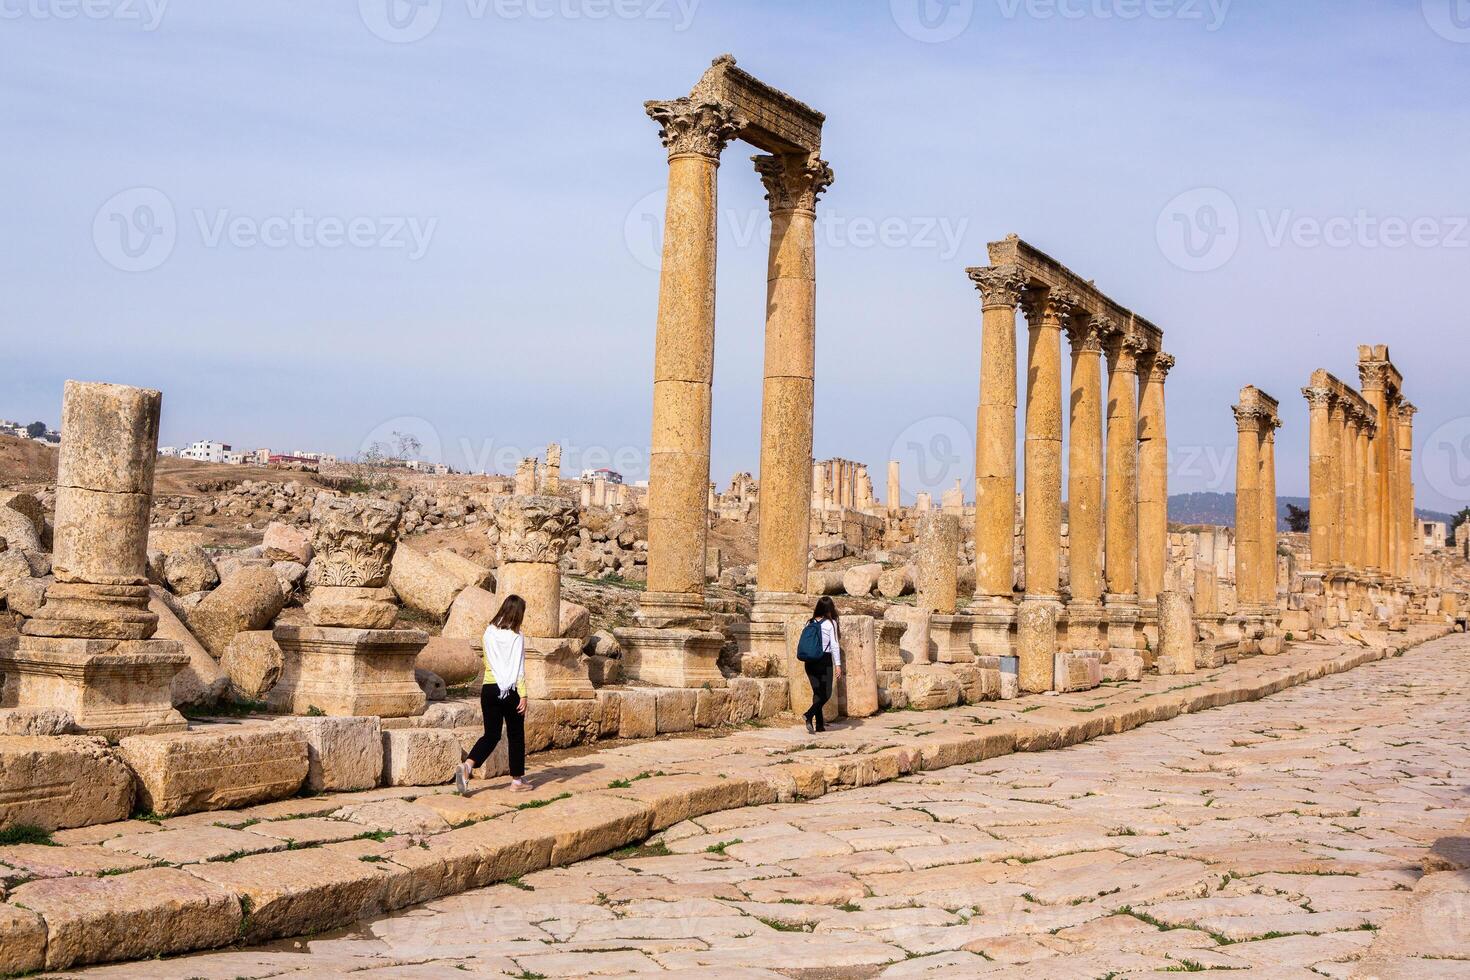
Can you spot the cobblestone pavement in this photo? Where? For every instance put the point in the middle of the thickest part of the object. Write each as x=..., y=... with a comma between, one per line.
x=1284, y=837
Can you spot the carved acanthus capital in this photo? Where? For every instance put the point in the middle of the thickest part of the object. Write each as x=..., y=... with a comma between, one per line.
x=1159, y=367
x=352, y=541
x=1319, y=397
x=1373, y=376
x=999, y=285
x=703, y=126
x=1084, y=335
x=1123, y=350
x=535, y=529
x=793, y=182
x=1061, y=306
x=1248, y=418
x=1407, y=412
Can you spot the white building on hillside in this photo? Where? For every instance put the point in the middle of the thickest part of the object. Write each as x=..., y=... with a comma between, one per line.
x=205, y=451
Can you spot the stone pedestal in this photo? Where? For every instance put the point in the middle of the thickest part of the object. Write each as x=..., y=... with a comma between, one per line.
x=859, y=685
x=672, y=657
x=1085, y=626
x=915, y=646
x=344, y=672
x=554, y=671
x=1176, y=633
x=952, y=639
x=890, y=639
x=111, y=688
x=1122, y=615
x=994, y=622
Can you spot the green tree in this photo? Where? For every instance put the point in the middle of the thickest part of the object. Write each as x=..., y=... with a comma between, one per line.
x=1299, y=521
x=36, y=430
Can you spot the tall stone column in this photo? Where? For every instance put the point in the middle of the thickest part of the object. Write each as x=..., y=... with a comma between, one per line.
x=695, y=132
x=1153, y=482
x=1364, y=536
x=673, y=645
x=1247, y=508
x=895, y=491
x=793, y=183
x=1373, y=380
x=1407, y=521
x=1122, y=491
x=1336, y=483
x=1320, y=403
x=1043, y=521
x=995, y=460
x=534, y=533
x=1085, y=485
x=88, y=650
x=1266, y=510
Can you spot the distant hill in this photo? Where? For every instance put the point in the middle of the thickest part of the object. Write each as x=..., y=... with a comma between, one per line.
x=1219, y=508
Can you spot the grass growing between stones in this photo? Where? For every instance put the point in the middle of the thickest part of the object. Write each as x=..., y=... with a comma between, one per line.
x=720, y=847
x=537, y=804
x=24, y=833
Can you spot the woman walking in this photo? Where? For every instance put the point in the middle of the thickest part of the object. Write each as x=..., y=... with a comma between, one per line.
x=826, y=670
x=503, y=696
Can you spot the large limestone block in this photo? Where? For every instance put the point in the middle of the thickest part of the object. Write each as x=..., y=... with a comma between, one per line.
x=186, y=772
x=452, y=658
x=26, y=505
x=351, y=607
x=937, y=571
x=860, y=580
x=348, y=672
x=677, y=798
x=555, y=671
x=140, y=915
x=744, y=700
x=1036, y=645
x=675, y=710
x=203, y=682
x=930, y=686
x=858, y=689
x=419, y=757
x=576, y=621
x=22, y=941
x=189, y=570
x=294, y=892
x=824, y=583
x=586, y=825
x=247, y=600
x=710, y=707
x=423, y=585
x=561, y=724
x=1176, y=633
x=59, y=781
x=253, y=661
x=638, y=713
x=35, y=721
x=343, y=754
x=1077, y=670
x=18, y=530
x=283, y=542
x=913, y=646
x=470, y=573
x=14, y=569
x=470, y=614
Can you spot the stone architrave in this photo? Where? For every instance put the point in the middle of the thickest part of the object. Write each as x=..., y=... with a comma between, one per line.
x=534, y=533
x=89, y=648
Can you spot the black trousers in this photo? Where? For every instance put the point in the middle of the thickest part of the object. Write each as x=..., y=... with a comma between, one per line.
x=497, y=710
x=819, y=674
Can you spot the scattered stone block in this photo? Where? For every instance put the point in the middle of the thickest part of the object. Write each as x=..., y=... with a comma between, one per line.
x=675, y=710
x=453, y=658
x=467, y=571
x=710, y=706
x=576, y=621
x=34, y=721
x=743, y=701
x=283, y=542
x=202, y=682
x=189, y=570
x=431, y=684
x=560, y=724
x=1078, y=670
x=246, y=601
x=860, y=580
x=419, y=757
x=470, y=614
x=343, y=754
x=22, y=941
x=186, y=772
x=423, y=585
x=929, y=686
x=1010, y=678
x=59, y=781
x=253, y=662
x=775, y=696
x=896, y=582
x=449, y=714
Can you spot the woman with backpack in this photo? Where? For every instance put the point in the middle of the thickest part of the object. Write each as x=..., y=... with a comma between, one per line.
x=820, y=652
x=503, y=696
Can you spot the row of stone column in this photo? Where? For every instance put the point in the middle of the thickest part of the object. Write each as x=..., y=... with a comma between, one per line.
x=1117, y=499
x=1256, y=422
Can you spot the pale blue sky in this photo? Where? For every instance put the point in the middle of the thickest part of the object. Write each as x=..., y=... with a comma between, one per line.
x=517, y=148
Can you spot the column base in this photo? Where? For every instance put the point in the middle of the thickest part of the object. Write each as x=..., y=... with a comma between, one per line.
x=1124, y=661
x=952, y=638
x=889, y=637
x=673, y=610
x=1084, y=626
x=554, y=671
x=994, y=624
x=1148, y=627
x=774, y=607
x=111, y=688
x=345, y=672
x=687, y=658
x=78, y=610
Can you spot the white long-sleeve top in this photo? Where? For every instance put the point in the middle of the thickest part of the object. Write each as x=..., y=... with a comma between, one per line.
x=830, y=642
x=505, y=660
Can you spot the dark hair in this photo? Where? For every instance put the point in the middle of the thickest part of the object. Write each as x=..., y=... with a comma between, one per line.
x=510, y=614
x=826, y=609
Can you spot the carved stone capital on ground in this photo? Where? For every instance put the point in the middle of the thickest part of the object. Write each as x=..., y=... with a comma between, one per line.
x=1000, y=286
x=535, y=529
x=352, y=541
x=793, y=182
x=702, y=126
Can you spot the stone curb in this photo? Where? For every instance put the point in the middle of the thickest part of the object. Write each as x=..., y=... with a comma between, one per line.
x=56, y=923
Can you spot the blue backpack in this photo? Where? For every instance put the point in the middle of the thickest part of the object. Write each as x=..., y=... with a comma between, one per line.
x=809, y=647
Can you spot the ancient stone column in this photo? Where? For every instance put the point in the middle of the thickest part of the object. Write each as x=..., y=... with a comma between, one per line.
x=1333, y=558
x=1036, y=644
x=526, y=476
x=534, y=532
x=553, y=468
x=1350, y=516
x=1176, y=633
x=1373, y=378
x=793, y=183
x=695, y=132
x=349, y=661
x=895, y=492
x=1085, y=485
x=1046, y=316
x=1320, y=401
x=1266, y=543
x=1206, y=579
x=1153, y=481
x=1247, y=507
x=937, y=584
x=1407, y=520
x=88, y=650
x=1122, y=490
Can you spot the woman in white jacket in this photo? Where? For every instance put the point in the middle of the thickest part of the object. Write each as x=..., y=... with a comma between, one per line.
x=503, y=696
x=824, y=673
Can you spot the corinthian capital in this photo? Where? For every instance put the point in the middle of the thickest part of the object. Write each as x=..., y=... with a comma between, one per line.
x=1248, y=418
x=1373, y=376
x=1061, y=306
x=701, y=126
x=534, y=529
x=1159, y=366
x=1318, y=397
x=1407, y=413
x=793, y=182
x=999, y=285
x=1123, y=349
x=1084, y=335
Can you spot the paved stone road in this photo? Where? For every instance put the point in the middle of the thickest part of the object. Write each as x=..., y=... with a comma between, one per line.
x=1283, y=837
